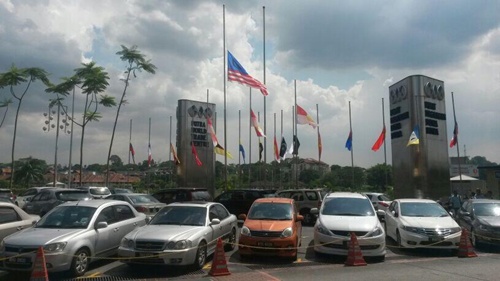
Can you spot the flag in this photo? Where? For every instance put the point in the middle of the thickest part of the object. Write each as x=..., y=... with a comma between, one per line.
x=304, y=118
x=174, y=154
x=242, y=150
x=414, y=137
x=290, y=150
x=255, y=124
x=132, y=151
x=150, y=157
x=236, y=72
x=261, y=149
x=348, y=143
x=296, y=145
x=454, y=139
x=320, y=146
x=283, y=148
x=376, y=146
x=276, y=150
x=217, y=147
x=195, y=154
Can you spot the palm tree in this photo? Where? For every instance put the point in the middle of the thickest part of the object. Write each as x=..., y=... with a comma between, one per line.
x=136, y=62
x=14, y=77
x=5, y=103
x=30, y=171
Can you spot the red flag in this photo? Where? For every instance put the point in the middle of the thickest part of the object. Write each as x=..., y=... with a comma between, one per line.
x=150, y=157
x=132, y=151
x=276, y=150
x=454, y=139
x=195, y=154
x=379, y=141
x=320, y=146
x=304, y=118
x=255, y=124
x=176, y=159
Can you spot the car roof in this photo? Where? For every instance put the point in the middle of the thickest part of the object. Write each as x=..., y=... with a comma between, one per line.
x=416, y=200
x=129, y=194
x=345, y=195
x=92, y=203
x=56, y=189
x=193, y=204
x=274, y=200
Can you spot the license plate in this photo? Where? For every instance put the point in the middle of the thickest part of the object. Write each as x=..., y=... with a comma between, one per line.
x=264, y=244
x=435, y=239
x=19, y=259
x=149, y=255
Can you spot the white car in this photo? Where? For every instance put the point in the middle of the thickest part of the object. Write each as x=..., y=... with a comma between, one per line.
x=13, y=219
x=421, y=223
x=28, y=194
x=342, y=213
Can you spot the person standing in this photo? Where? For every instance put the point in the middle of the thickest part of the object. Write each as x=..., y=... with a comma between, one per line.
x=455, y=203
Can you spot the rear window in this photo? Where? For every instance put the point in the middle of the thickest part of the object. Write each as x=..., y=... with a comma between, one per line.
x=200, y=196
x=72, y=195
x=312, y=195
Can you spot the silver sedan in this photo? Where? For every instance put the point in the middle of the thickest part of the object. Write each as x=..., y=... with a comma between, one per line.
x=13, y=219
x=72, y=235
x=180, y=234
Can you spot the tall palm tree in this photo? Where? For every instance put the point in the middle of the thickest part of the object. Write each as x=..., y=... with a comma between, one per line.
x=136, y=62
x=14, y=77
x=30, y=171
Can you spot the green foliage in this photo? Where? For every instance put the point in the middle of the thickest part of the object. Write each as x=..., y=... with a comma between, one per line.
x=379, y=176
x=30, y=171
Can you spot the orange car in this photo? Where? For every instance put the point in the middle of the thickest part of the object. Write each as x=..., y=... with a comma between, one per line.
x=273, y=226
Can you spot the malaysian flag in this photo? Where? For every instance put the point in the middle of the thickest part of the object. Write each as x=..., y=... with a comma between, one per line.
x=236, y=72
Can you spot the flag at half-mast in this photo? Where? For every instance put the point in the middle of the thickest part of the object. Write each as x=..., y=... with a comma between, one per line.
x=132, y=151
x=150, y=156
x=242, y=151
x=195, y=154
x=255, y=124
x=414, y=137
x=376, y=146
x=236, y=72
x=454, y=139
x=174, y=154
x=348, y=143
x=276, y=150
x=261, y=149
x=304, y=118
x=217, y=147
x=283, y=148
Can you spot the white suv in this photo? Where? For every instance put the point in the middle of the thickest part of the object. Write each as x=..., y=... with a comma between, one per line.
x=342, y=213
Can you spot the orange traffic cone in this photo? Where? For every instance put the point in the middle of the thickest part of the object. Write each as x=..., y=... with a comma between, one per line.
x=219, y=265
x=465, y=248
x=354, y=255
x=39, y=267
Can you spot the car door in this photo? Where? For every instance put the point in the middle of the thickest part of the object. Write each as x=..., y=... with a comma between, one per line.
x=126, y=221
x=225, y=221
x=105, y=237
x=217, y=229
x=11, y=222
x=390, y=220
x=466, y=220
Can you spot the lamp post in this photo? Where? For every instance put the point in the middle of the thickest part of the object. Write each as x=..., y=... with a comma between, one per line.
x=58, y=124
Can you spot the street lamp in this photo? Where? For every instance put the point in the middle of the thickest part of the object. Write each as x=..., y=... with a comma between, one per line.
x=58, y=125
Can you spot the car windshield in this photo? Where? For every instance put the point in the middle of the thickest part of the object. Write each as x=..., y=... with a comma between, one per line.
x=141, y=199
x=67, y=217
x=181, y=215
x=99, y=191
x=74, y=195
x=487, y=209
x=420, y=209
x=270, y=211
x=345, y=206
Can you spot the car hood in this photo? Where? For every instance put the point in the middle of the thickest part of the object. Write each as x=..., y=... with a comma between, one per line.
x=42, y=236
x=164, y=232
x=267, y=225
x=349, y=223
x=491, y=221
x=426, y=222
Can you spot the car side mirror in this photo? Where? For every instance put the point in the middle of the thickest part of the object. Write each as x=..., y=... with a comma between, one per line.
x=466, y=214
x=242, y=217
x=215, y=222
x=148, y=219
x=314, y=211
x=396, y=214
x=101, y=224
x=299, y=218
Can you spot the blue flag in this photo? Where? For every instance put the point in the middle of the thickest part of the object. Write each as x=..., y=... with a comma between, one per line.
x=348, y=143
x=242, y=150
x=414, y=137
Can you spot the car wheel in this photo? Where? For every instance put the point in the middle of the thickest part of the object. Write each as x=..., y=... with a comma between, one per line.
x=308, y=217
x=473, y=239
x=201, y=255
x=80, y=262
x=231, y=242
x=398, y=239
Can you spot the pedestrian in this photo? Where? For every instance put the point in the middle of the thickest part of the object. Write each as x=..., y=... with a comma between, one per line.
x=489, y=194
x=472, y=195
x=455, y=203
x=479, y=195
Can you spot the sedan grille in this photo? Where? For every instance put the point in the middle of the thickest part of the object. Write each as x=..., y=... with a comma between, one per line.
x=149, y=245
x=265, y=233
x=348, y=233
x=20, y=250
x=436, y=232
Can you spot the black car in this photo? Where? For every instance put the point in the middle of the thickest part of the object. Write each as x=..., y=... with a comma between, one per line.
x=171, y=195
x=238, y=201
x=48, y=198
x=481, y=217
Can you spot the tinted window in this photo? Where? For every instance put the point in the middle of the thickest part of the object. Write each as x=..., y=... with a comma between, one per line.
x=312, y=195
x=221, y=211
x=71, y=195
x=487, y=209
x=37, y=197
x=29, y=192
x=107, y=215
x=67, y=217
x=271, y=211
x=417, y=209
x=140, y=199
x=180, y=215
x=123, y=212
x=200, y=195
x=45, y=196
x=8, y=215
x=344, y=206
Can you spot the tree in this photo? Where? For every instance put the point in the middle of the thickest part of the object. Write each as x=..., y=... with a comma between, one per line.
x=136, y=62
x=307, y=176
x=12, y=78
x=116, y=162
x=30, y=171
x=379, y=176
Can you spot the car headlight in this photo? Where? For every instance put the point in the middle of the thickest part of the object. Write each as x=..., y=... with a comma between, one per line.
x=179, y=245
x=322, y=229
x=287, y=232
x=245, y=231
x=55, y=247
x=413, y=229
x=127, y=243
x=376, y=232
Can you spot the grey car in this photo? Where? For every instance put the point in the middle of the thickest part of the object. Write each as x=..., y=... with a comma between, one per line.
x=72, y=235
x=13, y=219
x=48, y=198
x=481, y=217
x=143, y=203
x=180, y=234
x=305, y=199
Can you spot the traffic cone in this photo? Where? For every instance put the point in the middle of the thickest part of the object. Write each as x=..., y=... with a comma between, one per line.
x=39, y=267
x=465, y=248
x=219, y=265
x=354, y=255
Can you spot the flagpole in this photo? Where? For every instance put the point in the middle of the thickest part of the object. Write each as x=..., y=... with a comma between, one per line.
x=206, y=151
x=264, y=59
x=170, y=153
x=239, y=143
x=149, y=142
x=260, y=156
x=129, y=152
x=70, y=177
x=296, y=156
x=385, y=147
x=250, y=143
x=225, y=90
x=457, y=145
x=280, y=143
x=352, y=146
x=317, y=129
x=274, y=154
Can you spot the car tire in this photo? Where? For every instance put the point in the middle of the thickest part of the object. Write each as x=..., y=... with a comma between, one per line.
x=231, y=242
x=308, y=217
x=80, y=262
x=398, y=239
x=201, y=255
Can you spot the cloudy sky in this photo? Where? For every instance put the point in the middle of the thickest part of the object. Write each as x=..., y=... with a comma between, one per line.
x=337, y=51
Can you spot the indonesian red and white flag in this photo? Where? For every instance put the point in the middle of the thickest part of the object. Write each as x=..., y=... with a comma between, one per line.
x=276, y=151
x=304, y=118
x=255, y=124
x=454, y=139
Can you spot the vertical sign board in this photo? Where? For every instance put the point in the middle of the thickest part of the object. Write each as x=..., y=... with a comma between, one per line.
x=419, y=170
x=192, y=128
